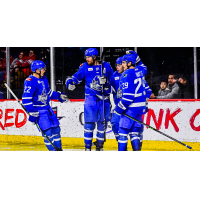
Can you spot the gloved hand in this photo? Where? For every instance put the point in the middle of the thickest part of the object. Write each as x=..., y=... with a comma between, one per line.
x=33, y=117
x=63, y=97
x=70, y=84
x=119, y=109
x=102, y=80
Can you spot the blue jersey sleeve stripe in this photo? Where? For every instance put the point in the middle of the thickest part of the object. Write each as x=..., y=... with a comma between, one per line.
x=51, y=93
x=137, y=104
x=25, y=104
x=127, y=99
x=79, y=81
x=27, y=97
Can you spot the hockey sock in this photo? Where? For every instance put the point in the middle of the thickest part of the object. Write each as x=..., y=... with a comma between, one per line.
x=115, y=129
x=88, y=133
x=100, y=134
x=122, y=142
x=57, y=138
x=123, y=139
x=135, y=140
x=47, y=143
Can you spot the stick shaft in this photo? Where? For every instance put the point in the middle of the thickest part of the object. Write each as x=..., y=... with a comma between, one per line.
x=158, y=131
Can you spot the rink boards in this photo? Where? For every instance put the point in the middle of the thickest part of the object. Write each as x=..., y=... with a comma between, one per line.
x=178, y=118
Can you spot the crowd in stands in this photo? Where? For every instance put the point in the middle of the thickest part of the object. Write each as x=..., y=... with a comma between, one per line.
x=19, y=68
x=171, y=88
x=174, y=88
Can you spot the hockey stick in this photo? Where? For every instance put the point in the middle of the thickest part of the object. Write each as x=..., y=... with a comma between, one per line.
x=104, y=120
x=56, y=148
x=158, y=131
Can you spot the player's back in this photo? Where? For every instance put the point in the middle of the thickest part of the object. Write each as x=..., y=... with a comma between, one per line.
x=133, y=87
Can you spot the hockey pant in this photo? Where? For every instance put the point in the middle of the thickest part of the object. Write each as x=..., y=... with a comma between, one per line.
x=133, y=129
x=49, y=123
x=115, y=124
x=88, y=134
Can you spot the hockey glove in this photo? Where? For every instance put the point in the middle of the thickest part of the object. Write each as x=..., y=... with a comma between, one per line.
x=102, y=80
x=120, y=108
x=70, y=85
x=63, y=97
x=33, y=117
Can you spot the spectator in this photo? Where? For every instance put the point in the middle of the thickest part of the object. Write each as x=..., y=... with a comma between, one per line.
x=185, y=88
x=25, y=63
x=15, y=61
x=17, y=79
x=173, y=87
x=163, y=88
x=3, y=66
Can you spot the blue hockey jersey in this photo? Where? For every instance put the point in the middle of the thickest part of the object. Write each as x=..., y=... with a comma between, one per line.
x=37, y=93
x=91, y=73
x=133, y=92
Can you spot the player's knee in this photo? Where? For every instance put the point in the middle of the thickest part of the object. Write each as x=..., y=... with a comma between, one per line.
x=135, y=141
x=123, y=138
x=56, y=131
x=89, y=126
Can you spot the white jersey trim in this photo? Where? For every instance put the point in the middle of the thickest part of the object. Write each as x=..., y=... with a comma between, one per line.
x=137, y=104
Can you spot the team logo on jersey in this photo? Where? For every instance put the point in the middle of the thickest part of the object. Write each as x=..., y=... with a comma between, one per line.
x=125, y=75
x=90, y=69
x=97, y=69
x=104, y=70
x=43, y=97
x=117, y=78
x=28, y=79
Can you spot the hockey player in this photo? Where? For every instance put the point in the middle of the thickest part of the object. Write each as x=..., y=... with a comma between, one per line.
x=35, y=99
x=115, y=79
x=91, y=71
x=133, y=103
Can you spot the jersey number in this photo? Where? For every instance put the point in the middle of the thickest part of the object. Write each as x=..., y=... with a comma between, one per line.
x=141, y=82
x=124, y=85
x=27, y=89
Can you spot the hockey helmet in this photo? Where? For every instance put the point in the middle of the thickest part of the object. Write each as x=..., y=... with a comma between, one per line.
x=91, y=52
x=135, y=54
x=131, y=58
x=119, y=60
x=124, y=58
x=37, y=64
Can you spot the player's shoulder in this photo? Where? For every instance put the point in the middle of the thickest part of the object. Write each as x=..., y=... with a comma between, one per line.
x=31, y=78
x=85, y=64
